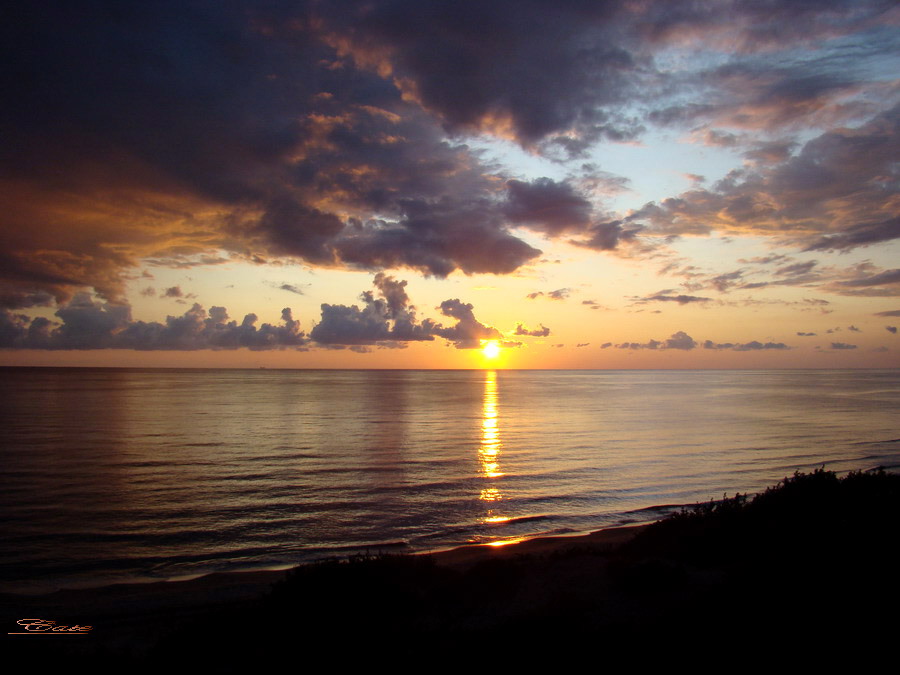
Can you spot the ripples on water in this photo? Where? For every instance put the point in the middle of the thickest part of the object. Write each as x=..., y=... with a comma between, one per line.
x=117, y=475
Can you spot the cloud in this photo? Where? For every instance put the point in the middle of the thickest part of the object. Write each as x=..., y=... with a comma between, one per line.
x=773, y=152
x=685, y=342
x=882, y=284
x=336, y=132
x=796, y=269
x=508, y=67
x=806, y=334
x=14, y=298
x=89, y=324
x=679, y=340
x=723, y=282
x=547, y=206
x=606, y=236
x=173, y=292
x=842, y=345
x=268, y=145
x=893, y=312
x=291, y=288
x=891, y=329
x=558, y=294
x=543, y=331
x=388, y=318
x=666, y=296
x=753, y=345
x=468, y=332
x=834, y=194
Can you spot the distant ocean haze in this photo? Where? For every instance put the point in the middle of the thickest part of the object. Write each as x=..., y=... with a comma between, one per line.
x=115, y=475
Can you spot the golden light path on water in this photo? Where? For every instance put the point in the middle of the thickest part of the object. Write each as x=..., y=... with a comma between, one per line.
x=489, y=454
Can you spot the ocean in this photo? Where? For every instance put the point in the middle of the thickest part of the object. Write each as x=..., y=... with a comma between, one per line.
x=123, y=475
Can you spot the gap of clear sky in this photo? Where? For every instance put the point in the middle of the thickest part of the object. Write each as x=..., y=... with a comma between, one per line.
x=397, y=183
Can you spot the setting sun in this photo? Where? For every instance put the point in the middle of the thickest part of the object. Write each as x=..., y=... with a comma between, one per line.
x=491, y=350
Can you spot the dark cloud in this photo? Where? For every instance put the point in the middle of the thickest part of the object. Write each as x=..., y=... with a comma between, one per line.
x=666, y=296
x=683, y=341
x=547, y=206
x=806, y=334
x=388, y=318
x=235, y=127
x=13, y=298
x=173, y=292
x=468, y=333
x=753, y=345
x=583, y=344
x=291, y=288
x=511, y=67
x=192, y=134
x=607, y=236
x=558, y=294
x=854, y=329
x=889, y=277
x=679, y=340
x=893, y=312
x=865, y=280
x=543, y=331
x=837, y=193
x=891, y=329
x=89, y=324
x=796, y=269
x=723, y=282
x=765, y=260
x=774, y=152
x=842, y=345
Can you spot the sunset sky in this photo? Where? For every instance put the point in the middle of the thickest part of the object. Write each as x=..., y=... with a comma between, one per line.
x=392, y=184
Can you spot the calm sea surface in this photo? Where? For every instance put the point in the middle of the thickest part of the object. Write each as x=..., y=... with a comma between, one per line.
x=114, y=475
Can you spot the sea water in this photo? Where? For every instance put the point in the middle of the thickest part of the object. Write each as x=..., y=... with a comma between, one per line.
x=116, y=475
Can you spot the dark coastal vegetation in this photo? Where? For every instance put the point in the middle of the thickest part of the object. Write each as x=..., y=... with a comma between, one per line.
x=808, y=561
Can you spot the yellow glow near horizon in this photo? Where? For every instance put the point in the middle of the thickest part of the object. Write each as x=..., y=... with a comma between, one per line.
x=491, y=349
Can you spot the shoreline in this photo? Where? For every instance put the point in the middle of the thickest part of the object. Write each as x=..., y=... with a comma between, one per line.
x=454, y=555
x=135, y=615
x=462, y=555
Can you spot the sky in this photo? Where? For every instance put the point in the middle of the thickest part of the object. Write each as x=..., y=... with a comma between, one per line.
x=398, y=183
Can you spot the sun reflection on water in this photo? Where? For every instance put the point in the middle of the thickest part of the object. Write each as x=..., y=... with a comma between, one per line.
x=489, y=451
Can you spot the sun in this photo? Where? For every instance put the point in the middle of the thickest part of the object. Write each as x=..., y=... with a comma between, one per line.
x=491, y=349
